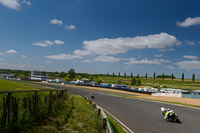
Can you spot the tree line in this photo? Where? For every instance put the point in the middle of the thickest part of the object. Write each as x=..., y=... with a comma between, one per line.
x=72, y=75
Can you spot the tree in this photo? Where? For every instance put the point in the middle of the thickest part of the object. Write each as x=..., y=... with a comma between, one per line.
x=133, y=81
x=154, y=75
x=163, y=76
x=21, y=75
x=119, y=74
x=113, y=74
x=108, y=74
x=182, y=76
x=125, y=75
x=193, y=77
x=146, y=76
x=131, y=75
x=138, y=82
x=172, y=76
x=71, y=74
x=138, y=76
x=67, y=78
x=62, y=74
x=98, y=80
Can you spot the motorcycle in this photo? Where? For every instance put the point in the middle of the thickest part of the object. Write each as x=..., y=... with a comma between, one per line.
x=170, y=116
x=92, y=96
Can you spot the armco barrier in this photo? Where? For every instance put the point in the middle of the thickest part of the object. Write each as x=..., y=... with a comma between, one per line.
x=177, y=95
x=167, y=94
x=106, y=124
x=191, y=96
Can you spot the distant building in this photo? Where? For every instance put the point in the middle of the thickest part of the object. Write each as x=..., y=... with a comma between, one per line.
x=37, y=76
x=7, y=76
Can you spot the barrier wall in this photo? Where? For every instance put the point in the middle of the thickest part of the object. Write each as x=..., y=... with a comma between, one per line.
x=167, y=94
x=176, y=95
x=191, y=96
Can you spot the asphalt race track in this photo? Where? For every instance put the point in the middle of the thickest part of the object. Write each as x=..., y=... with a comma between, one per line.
x=144, y=116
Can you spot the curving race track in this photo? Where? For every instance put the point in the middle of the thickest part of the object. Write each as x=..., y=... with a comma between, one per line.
x=144, y=116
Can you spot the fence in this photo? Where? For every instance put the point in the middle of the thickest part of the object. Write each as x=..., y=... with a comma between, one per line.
x=31, y=106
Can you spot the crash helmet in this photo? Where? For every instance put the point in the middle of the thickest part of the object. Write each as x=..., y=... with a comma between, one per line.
x=162, y=109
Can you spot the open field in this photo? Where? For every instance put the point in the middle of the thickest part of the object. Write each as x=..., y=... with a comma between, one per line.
x=6, y=85
x=187, y=84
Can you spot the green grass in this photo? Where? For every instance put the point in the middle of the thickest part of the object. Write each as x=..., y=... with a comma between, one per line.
x=176, y=83
x=70, y=114
x=7, y=85
x=115, y=126
x=81, y=118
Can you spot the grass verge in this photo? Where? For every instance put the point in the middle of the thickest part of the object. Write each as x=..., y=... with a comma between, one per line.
x=115, y=126
x=78, y=116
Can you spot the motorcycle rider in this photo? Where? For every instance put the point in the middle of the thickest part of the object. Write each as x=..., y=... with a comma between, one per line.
x=92, y=95
x=165, y=112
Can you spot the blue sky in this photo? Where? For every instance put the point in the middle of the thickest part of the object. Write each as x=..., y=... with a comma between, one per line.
x=100, y=36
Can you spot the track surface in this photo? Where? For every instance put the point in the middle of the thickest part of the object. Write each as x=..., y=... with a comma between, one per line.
x=144, y=116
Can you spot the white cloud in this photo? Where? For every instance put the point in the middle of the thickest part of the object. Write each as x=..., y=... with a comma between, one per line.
x=189, y=65
x=82, y=52
x=1, y=59
x=190, y=57
x=104, y=58
x=133, y=61
x=24, y=56
x=188, y=42
x=170, y=67
x=13, y=4
x=70, y=27
x=11, y=51
x=165, y=50
x=48, y=62
x=189, y=22
x=26, y=2
x=58, y=42
x=63, y=57
x=47, y=43
x=159, y=55
x=123, y=45
x=56, y=21
x=86, y=61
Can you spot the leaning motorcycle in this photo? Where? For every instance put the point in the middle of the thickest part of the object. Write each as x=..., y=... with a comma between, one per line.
x=171, y=115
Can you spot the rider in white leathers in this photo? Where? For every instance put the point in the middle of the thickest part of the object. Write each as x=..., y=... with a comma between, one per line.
x=166, y=112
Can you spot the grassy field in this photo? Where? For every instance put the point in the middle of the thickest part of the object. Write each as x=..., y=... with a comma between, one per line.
x=176, y=83
x=69, y=114
x=6, y=85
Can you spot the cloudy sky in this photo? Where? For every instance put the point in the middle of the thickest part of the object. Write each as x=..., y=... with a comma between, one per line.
x=100, y=36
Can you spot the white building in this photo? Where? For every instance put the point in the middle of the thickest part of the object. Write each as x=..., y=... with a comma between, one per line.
x=37, y=75
x=6, y=76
